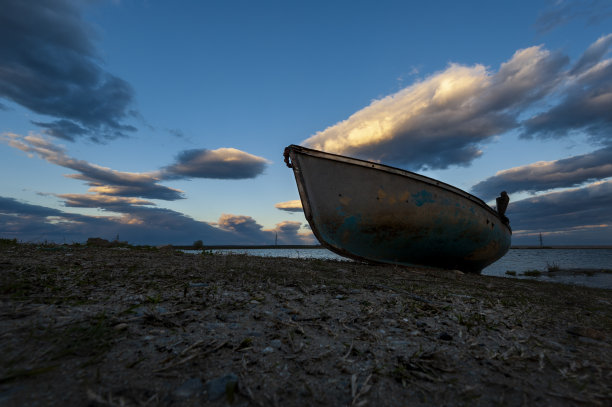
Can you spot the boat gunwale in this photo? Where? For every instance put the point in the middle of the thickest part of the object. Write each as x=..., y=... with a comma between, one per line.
x=400, y=172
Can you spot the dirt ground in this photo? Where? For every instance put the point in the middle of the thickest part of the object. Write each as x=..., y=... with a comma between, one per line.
x=158, y=327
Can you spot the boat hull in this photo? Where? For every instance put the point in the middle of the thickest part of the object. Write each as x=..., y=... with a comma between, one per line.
x=375, y=213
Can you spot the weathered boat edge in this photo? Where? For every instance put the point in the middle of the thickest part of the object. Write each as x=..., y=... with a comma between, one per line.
x=387, y=168
x=306, y=207
x=290, y=154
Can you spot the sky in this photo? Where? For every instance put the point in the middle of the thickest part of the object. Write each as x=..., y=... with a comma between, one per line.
x=159, y=122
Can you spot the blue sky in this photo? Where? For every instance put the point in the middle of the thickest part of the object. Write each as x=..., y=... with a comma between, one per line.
x=165, y=122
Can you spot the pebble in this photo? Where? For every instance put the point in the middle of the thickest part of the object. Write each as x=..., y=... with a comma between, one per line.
x=190, y=388
x=216, y=388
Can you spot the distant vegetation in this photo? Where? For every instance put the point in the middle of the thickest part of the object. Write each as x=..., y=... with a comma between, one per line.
x=8, y=242
x=99, y=242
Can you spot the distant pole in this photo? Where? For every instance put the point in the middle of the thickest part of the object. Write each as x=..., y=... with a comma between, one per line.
x=276, y=239
x=541, y=243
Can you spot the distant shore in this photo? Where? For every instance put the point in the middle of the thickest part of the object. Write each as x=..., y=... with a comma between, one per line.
x=289, y=246
x=229, y=247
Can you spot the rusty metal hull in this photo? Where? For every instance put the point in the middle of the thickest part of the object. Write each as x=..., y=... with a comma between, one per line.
x=375, y=213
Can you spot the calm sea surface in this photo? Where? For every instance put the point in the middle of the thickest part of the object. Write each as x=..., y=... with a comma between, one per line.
x=516, y=260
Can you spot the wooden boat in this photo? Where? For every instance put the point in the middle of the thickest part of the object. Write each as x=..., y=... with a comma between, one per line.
x=376, y=213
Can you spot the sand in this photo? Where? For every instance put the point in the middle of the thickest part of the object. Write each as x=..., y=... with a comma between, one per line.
x=142, y=326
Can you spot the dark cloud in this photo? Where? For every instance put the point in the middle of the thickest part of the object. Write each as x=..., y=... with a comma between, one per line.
x=28, y=222
x=110, y=203
x=593, y=55
x=4, y=107
x=49, y=64
x=138, y=223
x=580, y=210
x=287, y=232
x=561, y=12
x=64, y=129
x=101, y=180
x=443, y=120
x=545, y=175
x=9, y=206
x=177, y=133
x=222, y=163
x=586, y=100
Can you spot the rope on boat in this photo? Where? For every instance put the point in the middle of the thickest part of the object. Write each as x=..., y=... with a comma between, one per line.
x=286, y=155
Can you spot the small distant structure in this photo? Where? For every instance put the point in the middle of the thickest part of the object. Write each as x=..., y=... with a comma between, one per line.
x=276, y=239
x=541, y=241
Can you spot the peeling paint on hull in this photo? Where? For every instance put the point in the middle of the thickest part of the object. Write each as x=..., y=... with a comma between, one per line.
x=375, y=213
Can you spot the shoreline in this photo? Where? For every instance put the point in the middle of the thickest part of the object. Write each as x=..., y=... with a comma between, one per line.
x=242, y=247
x=128, y=326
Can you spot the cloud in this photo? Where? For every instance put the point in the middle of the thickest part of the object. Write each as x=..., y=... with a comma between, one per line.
x=562, y=12
x=545, y=175
x=287, y=232
x=586, y=100
x=290, y=206
x=222, y=163
x=442, y=120
x=593, y=55
x=564, y=213
x=101, y=201
x=137, y=224
x=228, y=163
x=240, y=224
x=50, y=66
x=101, y=179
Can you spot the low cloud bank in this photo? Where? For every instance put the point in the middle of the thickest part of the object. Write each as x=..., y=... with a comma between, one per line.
x=137, y=223
x=565, y=215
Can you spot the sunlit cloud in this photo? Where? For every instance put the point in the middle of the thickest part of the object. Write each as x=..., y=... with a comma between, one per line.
x=290, y=206
x=444, y=119
x=222, y=163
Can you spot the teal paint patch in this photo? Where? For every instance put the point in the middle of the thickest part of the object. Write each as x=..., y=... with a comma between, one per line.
x=423, y=197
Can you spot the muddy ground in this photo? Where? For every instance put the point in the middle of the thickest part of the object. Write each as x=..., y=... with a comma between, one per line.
x=157, y=327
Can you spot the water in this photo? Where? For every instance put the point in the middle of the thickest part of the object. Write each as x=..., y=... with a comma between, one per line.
x=516, y=260
x=521, y=260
